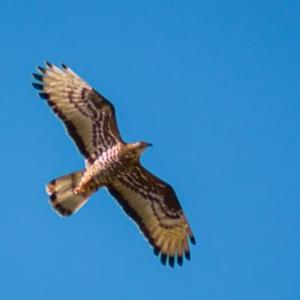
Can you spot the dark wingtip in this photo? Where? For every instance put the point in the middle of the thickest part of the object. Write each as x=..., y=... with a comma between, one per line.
x=180, y=260
x=48, y=64
x=156, y=251
x=41, y=69
x=52, y=197
x=187, y=255
x=171, y=261
x=37, y=86
x=64, y=66
x=37, y=76
x=193, y=240
x=44, y=96
x=163, y=259
x=52, y=182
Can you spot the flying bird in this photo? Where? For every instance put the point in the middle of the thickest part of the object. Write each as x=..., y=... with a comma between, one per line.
x=90, y=120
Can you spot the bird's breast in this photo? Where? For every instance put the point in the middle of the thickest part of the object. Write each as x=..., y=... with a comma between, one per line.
x=111, y=163
x=104, y=169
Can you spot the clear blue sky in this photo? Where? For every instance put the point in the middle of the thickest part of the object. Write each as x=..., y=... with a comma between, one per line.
x=214, y=85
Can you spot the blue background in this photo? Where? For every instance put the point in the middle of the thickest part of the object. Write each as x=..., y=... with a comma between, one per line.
x=214, y=85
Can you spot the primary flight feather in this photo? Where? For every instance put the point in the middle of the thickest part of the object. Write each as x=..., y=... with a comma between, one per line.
x=90, y=120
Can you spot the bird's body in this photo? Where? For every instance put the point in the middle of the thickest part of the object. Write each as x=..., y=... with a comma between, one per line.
x=111, y=163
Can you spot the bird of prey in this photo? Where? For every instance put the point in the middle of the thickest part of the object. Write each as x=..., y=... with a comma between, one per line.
x=90, y=120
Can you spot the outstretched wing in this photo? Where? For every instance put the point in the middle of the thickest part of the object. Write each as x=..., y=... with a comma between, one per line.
x=88, y=117
x=154, y=206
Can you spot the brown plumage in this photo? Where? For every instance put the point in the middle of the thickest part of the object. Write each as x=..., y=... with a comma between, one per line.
x=90, y=120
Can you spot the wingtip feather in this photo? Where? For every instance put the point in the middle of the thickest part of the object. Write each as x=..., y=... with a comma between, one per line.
x=163, y=259
x=37, y=86
x=193, y=240
x=171, y=261
x=37, y=76
x=44, y=96
x=48, y=64
x=187, y=255
x=41, y=69
x=180, y=260
x=64, y=66
x=156, y=251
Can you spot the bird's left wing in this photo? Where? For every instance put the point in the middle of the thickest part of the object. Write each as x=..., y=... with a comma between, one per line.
x=154, y=206
x=88, y=117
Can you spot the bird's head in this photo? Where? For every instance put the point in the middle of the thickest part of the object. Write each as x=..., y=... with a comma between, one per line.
x=140, y=147
x=143, y=145
x=136, y=149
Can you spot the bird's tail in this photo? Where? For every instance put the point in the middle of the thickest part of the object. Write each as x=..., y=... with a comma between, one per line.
x=62, y=196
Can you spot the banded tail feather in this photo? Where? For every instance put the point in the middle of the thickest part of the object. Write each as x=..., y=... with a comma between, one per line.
x=62, y=196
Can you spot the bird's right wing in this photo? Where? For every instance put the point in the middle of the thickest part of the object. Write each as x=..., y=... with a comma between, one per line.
x=88, y=117
x=154, y=206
